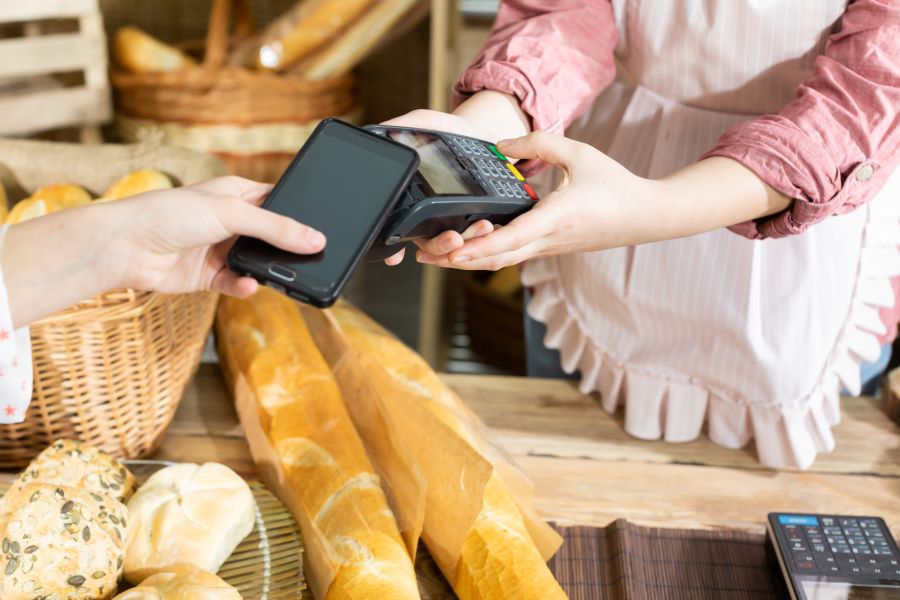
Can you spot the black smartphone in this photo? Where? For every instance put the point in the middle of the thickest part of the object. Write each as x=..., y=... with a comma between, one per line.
x=344, y=182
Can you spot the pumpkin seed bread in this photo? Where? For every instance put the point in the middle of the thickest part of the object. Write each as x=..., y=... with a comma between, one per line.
x=61, y=543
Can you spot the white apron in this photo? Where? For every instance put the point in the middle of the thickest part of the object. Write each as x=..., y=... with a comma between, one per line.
x=753, y=338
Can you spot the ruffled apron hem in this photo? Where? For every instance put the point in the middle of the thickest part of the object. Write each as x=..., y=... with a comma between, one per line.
x=675, y=407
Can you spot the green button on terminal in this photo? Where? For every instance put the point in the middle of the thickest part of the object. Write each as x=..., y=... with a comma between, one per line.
x=497, y=152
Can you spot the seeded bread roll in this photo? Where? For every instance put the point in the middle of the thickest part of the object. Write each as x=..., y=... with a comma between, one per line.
x=181, y=582
x=60, y=542
x=187, y=514
x=74, y=464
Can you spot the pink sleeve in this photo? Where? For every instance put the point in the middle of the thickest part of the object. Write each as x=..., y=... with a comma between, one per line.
x=833, y=147
x=555, y=57
x=15, y=359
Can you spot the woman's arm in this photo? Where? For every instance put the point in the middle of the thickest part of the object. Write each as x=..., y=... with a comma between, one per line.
x=833, y=147
x=172, y=241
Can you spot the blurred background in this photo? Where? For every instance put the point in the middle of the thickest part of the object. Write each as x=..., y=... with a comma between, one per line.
x=96, y=71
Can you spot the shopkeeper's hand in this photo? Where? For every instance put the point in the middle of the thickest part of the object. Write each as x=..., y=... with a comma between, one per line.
x=440, y=121
x=596, y=206
x=600, y=204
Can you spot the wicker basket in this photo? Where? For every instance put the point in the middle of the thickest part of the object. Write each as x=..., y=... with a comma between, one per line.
x=217, y=107
x=110, y=370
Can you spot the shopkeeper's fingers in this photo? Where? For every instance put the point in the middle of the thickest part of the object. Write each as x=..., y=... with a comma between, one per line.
x=395, y=259
x=248, y=190
x=449, y=241
x=241, y=218
x=521, y=232
x=548, y=147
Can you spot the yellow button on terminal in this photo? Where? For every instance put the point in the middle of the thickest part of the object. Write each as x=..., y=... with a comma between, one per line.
x=515, y=172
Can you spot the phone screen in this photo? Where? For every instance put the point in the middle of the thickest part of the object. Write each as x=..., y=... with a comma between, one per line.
x=343, y=182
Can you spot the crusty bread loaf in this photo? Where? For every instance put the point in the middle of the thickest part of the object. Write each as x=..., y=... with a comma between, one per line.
x=140, y=52
x=137, y=182
x=342, y=510
x=75, y=464
x=355, y=43
x=181, y=582
x=304, y=29
x=61, y=542
x=499, y=557
x=187, y=514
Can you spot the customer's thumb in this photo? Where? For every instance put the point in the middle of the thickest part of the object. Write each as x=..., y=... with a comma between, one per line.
x=540, y=145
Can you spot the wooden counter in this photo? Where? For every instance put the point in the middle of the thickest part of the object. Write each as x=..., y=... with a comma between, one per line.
x=587, y=470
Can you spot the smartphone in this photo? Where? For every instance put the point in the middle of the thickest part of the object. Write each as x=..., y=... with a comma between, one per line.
x=344, y=182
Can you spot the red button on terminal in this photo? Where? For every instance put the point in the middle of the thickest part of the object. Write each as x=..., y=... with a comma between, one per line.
x=530, y=191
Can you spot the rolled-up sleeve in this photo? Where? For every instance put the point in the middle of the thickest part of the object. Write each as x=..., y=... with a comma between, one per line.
x=832, y=148
x=555, y=57
x=15, y=359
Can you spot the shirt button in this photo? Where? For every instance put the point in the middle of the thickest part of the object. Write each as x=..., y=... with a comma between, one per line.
x=865, y=172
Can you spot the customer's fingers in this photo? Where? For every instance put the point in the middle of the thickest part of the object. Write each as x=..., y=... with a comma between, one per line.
x=241, y=218
x=248, y=190
x=231, y=284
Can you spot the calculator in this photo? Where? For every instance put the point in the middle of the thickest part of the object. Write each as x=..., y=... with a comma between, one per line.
x=460, y=180
x=835, y=557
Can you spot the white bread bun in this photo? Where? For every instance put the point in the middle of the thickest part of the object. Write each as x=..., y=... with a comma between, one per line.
x=187, y=514
x=61, y=542
x=75, y=464
x=139, y=52
x=137, y=182
x=181, y=582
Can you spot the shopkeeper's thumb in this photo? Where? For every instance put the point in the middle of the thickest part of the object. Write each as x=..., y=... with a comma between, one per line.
x=539, y=145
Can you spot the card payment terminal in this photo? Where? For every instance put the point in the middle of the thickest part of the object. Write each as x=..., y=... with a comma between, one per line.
x=460, y=180
x=835, y=557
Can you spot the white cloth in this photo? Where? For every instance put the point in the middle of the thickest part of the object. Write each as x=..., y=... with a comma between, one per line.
x=752, y=338
x=15, y=358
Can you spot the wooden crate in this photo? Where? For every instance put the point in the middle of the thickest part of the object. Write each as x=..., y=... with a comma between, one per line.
x=53, y=66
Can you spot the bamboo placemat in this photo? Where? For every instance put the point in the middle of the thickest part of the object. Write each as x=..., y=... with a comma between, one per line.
x=623, y=560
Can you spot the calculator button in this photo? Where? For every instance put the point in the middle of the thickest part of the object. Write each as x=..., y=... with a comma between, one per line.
x=849, y=523
x=807, y=565
x=827, y=521
x=498, y=188
x=796, y=546
x=515, y=171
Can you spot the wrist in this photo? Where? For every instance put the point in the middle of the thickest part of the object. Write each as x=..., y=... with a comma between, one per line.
x=495, y=115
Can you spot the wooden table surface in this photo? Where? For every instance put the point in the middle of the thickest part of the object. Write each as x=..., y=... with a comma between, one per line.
x=587, y=470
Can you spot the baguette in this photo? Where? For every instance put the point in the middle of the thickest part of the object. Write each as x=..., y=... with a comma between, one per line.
x=181, y=582
x=139, y=52
x=328, y=481
x=356, y=42
x=304, y=29
x=499, y=555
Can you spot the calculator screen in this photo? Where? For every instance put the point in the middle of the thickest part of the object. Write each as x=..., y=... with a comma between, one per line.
x=829, y=590
x=437, y=164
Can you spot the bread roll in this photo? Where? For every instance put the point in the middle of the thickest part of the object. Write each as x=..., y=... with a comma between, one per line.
x=499, y=557
x=137, y=182
x=4, y=205
x=342, y=510
x=78, y=465
x=181, y=582
x=187, y=514
x=32, y=208
x=139, y=52
x=68, y=195
x=304, y=29
x=60, y=542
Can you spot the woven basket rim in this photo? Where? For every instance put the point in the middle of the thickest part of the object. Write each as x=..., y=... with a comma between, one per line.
x=202, y=77
x=116, y=304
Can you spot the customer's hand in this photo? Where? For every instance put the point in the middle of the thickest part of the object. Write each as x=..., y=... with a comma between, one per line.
x=177, y=241
x=168, y=240
x=598, y=205
x=440, y=121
